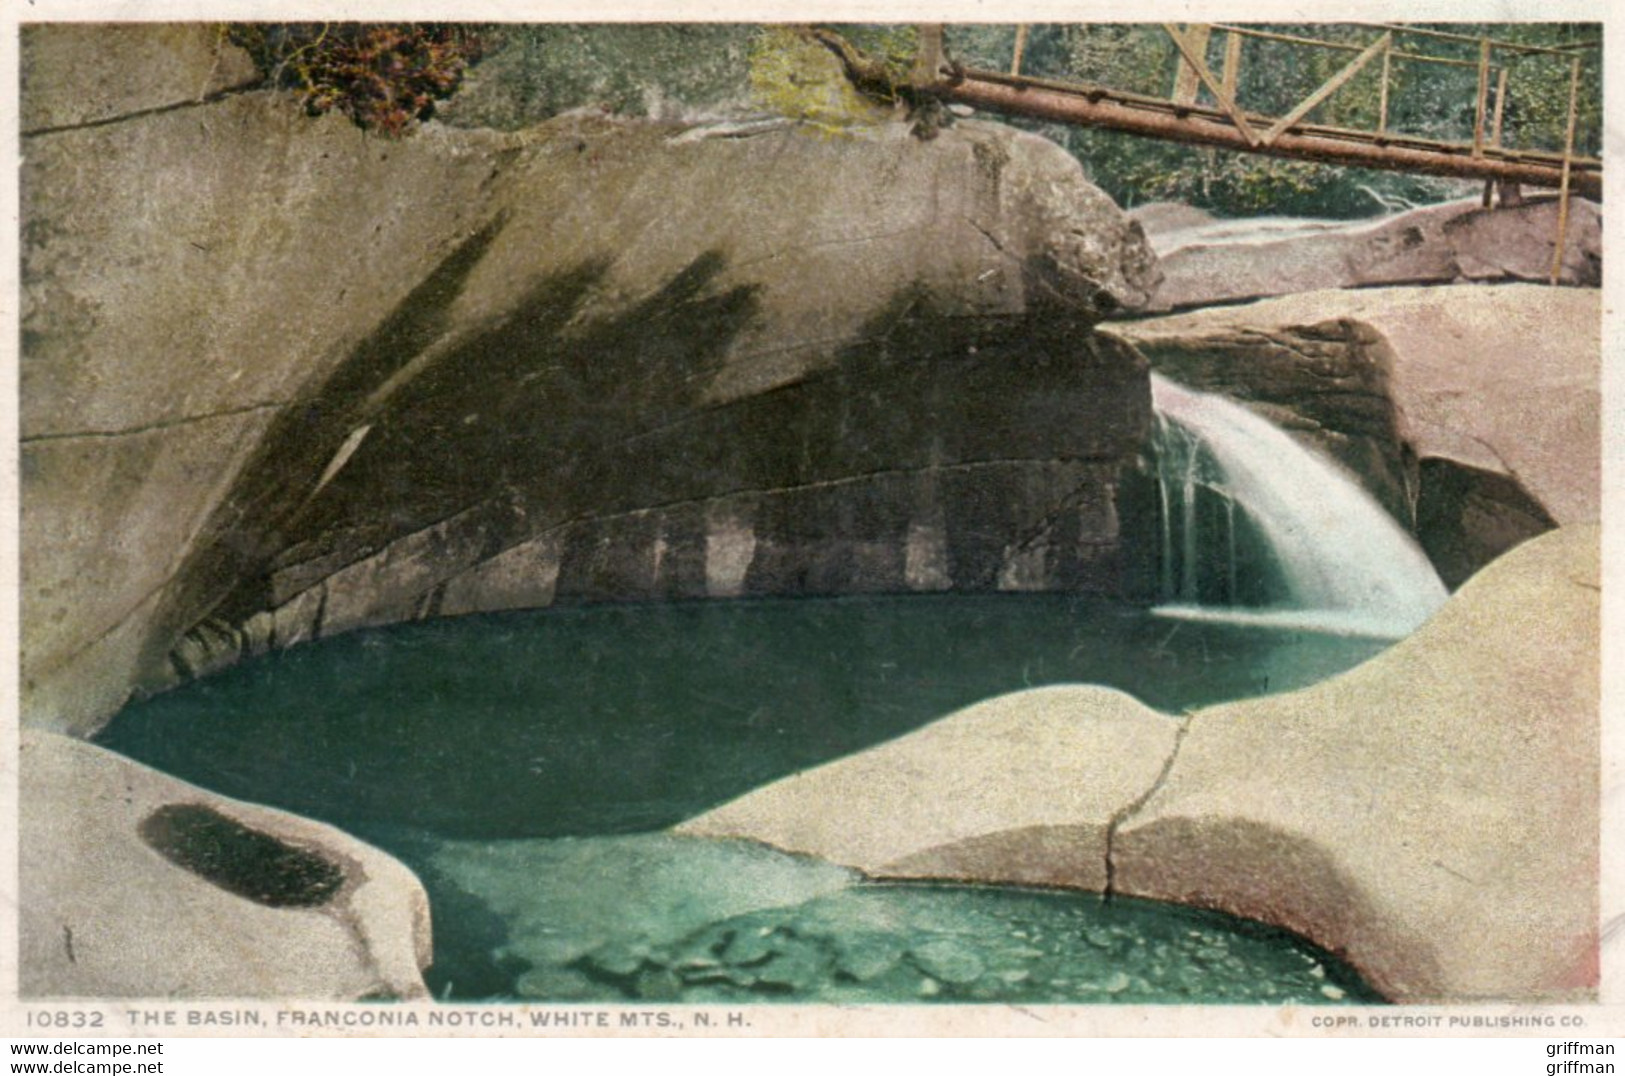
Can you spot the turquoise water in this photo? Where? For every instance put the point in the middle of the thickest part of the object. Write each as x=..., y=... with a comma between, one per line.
x=520, y=762
x=623, y=719
x=668, y=918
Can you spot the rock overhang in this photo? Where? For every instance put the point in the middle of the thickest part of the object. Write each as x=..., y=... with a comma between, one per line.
x=698, y=281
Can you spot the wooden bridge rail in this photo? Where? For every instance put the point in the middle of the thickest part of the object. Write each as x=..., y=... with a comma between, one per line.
x=1550, y=161
x=1181, y=117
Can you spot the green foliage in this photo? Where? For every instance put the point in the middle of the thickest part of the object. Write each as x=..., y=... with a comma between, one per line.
x=1429, y=100
x=892, y=47
x=673, y=71
x=533, y=72
x=384, y=76
x=794, y=74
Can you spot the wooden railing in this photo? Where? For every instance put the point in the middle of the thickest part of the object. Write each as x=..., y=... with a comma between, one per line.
x=1228, y=123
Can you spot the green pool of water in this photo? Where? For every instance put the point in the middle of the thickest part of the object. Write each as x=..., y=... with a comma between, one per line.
x=681, y=919
x=521, y=762
x=621, y=719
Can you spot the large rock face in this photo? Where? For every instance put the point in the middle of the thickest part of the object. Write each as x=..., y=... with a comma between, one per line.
x=135, y=884
x=956, y=799
x=1474, y=413
x=280, y=378
x=1205, y=262
x=75, y=74
x=1409, y=813
x=1404, y=815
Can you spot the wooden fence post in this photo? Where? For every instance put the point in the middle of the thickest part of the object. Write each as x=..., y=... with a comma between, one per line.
x=1495, y=133
x=1021, y=47
x=1568, y=162
x=1382, y=101
x=1483, y=96
x=928, y=55
x=1232, y=62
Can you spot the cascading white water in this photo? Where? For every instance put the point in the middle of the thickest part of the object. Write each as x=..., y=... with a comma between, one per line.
x=1335, y=558
x=1215, y=233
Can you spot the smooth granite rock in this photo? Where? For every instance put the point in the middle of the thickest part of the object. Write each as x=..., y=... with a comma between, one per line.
x=1021, y=789
x=1474, y=412
x=1431, y=815
x=282, y=378
x=134, y=884
x=1218, y=261
x=81, y=73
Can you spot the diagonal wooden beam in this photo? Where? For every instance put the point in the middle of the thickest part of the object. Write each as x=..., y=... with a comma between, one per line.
x=1331, y=86
x=1199, y=65
x=1185, y=83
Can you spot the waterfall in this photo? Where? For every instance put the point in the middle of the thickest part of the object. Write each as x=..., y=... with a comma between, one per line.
x=1257, y=527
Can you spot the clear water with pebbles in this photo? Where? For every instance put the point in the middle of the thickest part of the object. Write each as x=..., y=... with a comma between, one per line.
x=701, y=921
x=523, y=763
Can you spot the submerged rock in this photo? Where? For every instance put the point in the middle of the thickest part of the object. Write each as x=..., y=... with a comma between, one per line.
x=796, y=964
x=134, y=884
x=889, y=942
x=558, y=984
x=948, y=961
x=618, y=959
x=658, y=984
x=1117, y=983
x=865, y=957
x=749, y=948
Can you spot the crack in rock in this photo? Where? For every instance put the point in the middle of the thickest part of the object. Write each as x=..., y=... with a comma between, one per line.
x=153, y=427
x=141, y=113
x=1129, y=810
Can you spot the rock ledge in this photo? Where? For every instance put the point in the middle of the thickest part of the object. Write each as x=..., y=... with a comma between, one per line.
x=1403, y=815
x=135, y=884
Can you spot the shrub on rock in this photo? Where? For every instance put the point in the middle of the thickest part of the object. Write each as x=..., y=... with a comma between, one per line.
x=384, y=76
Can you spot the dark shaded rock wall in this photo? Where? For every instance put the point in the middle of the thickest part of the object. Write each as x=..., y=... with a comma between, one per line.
x=947, y=454
x=1466, y=517
x=280, y=377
